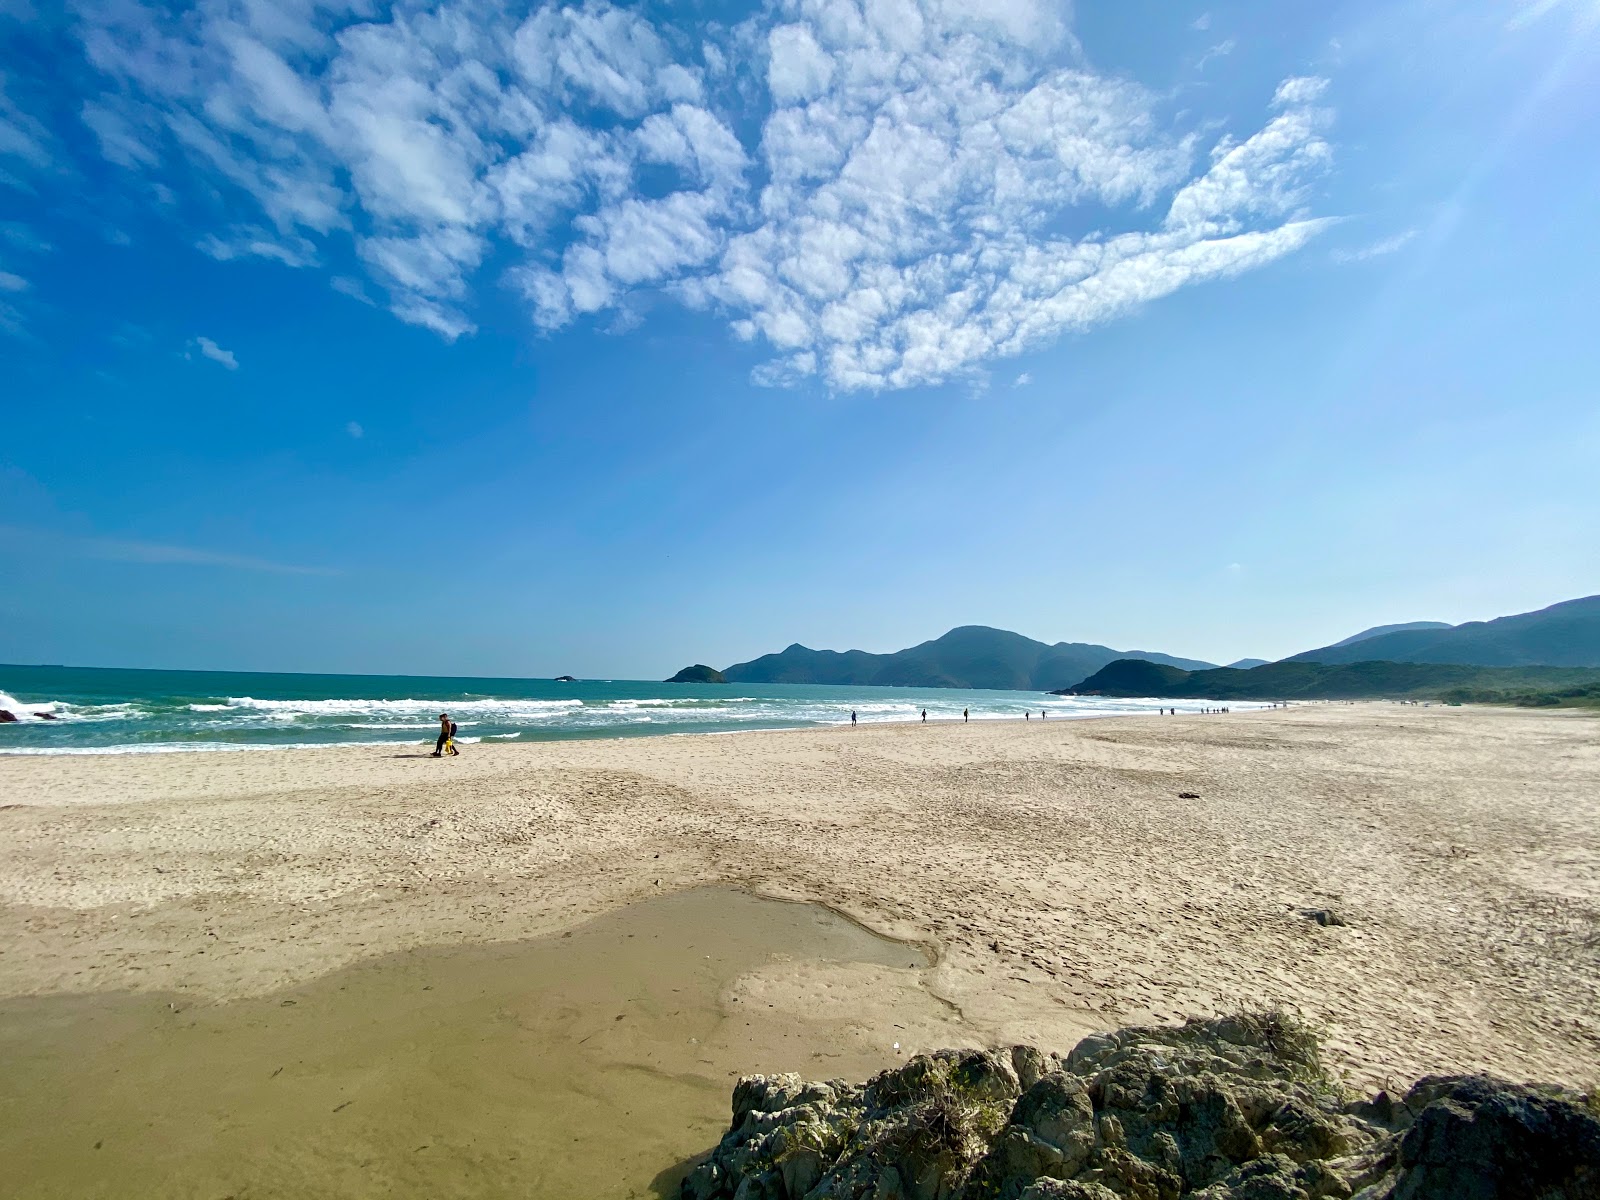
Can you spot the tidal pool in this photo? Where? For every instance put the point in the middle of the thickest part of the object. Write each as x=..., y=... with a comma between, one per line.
x=593, y=1063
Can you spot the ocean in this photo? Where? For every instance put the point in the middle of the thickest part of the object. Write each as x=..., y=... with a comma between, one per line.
x=98, y=710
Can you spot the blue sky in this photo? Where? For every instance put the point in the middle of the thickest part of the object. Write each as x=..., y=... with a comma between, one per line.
x=521, y=339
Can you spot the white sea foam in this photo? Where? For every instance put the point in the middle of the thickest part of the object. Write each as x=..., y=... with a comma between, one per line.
x=186, y=747
x=24, y=710
x=432, y=726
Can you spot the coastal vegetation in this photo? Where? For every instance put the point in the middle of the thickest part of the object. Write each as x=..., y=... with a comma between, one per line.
x=699, y=673
x=1448, y=683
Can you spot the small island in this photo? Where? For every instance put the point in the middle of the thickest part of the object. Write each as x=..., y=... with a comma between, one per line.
x=566, y=679
x=699, y=673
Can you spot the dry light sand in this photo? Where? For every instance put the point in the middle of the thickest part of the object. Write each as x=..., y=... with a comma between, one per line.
x=1053, y=869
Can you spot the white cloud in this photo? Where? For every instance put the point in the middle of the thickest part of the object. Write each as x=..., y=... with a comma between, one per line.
x=206, y=348
x=354, y=429
x=1377, y=249
x=913, y=196
x=12, y=283
x=1022, y=380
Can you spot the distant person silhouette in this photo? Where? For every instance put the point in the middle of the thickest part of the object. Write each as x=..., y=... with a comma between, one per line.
x=852, y=716
x=924, y=716
x=963, y=714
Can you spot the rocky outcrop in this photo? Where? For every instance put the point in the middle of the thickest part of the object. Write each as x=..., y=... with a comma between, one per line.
x=7, y=717
x=1237, y=1108
x=699, y=673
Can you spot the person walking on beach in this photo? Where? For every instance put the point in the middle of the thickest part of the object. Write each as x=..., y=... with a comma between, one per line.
x=852, y=716
x=924, y=716
x=963, y=715
x=447, y=731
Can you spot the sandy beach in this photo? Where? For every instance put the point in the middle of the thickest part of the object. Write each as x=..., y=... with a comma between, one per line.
x=1053, y=873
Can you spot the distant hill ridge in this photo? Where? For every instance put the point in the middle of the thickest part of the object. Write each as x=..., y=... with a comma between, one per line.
x=1290, y=680
x=1562, y=635
x=970, y=656
x=1402, y=627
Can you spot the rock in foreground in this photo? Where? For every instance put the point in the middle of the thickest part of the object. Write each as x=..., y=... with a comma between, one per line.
x=1237, y=1108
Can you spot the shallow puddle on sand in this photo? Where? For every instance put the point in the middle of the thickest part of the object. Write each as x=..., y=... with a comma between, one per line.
x=587, y=1064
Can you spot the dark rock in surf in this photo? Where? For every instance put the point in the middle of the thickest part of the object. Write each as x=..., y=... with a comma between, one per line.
x=7, y=717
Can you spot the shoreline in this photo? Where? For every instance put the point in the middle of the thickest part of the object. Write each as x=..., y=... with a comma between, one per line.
x=616, y=734
x=1056, y=873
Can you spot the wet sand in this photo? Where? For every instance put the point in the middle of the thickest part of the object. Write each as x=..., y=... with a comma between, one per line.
x=588, y=1063
x=1053, y=869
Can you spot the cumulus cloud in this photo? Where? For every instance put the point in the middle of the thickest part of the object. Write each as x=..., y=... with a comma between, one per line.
x=206, y=348
x=881, y=193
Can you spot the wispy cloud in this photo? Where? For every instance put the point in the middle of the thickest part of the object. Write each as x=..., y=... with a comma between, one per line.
x=153, y=553
x=1022, y=380
x=206, y=348
x=12, y=283
x=255, y=242
x=1221, y=50
x=24, y=140
x=1376, y=249
x=354, y=429
x=891, y=217
x=1584, y=13
x=24, y=238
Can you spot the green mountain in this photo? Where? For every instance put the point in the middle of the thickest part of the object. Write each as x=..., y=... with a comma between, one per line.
x=1380, y=630
x=972, y=656
x=699, y=673
x=1563, y=635
x=1244, y=664
x=1347, y=681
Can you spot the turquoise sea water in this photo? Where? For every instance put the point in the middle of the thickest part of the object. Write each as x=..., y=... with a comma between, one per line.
x=108, y=711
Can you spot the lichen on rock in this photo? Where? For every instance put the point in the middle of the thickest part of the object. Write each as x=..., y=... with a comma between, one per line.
x=1236, y=1108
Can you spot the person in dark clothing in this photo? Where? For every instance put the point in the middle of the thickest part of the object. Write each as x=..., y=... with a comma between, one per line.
x=447, y=730
x=852, y=716
x=924, y=716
